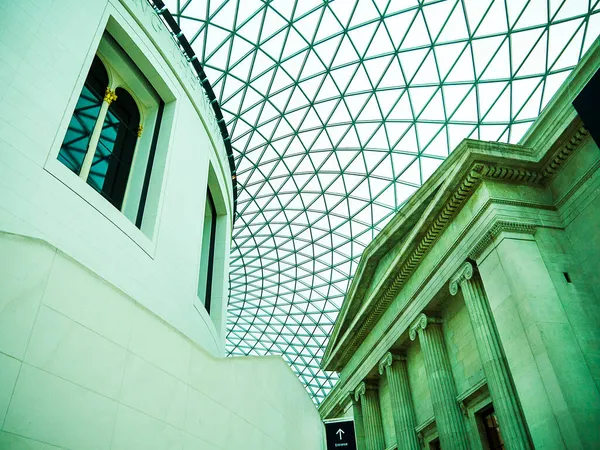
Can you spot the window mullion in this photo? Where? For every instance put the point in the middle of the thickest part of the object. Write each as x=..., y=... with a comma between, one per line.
x=109, y=97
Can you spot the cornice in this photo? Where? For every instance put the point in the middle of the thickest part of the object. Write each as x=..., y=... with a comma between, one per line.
x=514, y=170
x=565, y=150
x=494, y=231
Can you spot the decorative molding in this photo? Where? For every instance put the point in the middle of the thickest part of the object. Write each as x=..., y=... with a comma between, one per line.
x=494, y=231
x=110, y=96
x=424, y=425
x=577, y=185
x=348, y=398
x=537, y=174
x=420, y=323
x=371, y=385
x=466, y=398
x=577, y=137
x=360, y=390
x=464, y=273
x=388, y=359
x=385, y=362
x=139, y=130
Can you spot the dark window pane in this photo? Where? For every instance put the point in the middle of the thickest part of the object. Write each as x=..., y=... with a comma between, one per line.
x=114, y=154
x=77, y=139
x=208, y=252
x=492, y=430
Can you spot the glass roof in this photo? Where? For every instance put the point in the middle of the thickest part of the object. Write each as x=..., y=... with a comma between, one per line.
x=338, y=111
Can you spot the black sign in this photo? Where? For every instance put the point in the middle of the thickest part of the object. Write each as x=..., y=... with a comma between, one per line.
x=340, y=435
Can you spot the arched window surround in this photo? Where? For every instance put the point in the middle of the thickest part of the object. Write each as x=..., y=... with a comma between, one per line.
x=135, y=178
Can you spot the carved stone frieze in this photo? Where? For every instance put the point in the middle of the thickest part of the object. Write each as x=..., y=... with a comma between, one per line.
x=495, y=230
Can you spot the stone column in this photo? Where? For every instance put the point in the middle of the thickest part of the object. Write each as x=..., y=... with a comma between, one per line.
x=503, y=394
x=448, y=416
x=402, y=406
x=358, y=422
x=373, y=425
x=86, y=166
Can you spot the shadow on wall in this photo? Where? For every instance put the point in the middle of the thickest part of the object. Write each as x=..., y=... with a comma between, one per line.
x=82, y=366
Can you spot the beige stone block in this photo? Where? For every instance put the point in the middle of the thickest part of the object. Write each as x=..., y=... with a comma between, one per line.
x=151, y=390
x=50, y=409
x=11, y=441
x=67, y=349
x=206, y=418
x=84, y=297
x=136, y=430
x=242, y=434
x=212, y=376
x=191, y=442
x=24, y=267
x=159, y=343
x=9, y=370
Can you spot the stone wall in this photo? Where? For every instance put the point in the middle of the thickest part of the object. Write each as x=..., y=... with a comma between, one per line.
x=84, y=366
x=461, y=345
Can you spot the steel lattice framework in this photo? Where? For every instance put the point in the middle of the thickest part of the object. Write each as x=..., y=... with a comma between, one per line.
x=338, y=111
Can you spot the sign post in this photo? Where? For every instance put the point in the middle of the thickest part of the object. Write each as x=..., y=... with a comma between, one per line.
x=340, y=435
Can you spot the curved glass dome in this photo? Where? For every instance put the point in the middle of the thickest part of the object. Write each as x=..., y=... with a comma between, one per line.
x=338, y=111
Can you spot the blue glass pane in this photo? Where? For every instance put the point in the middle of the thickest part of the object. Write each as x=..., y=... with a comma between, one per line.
x=75, y=144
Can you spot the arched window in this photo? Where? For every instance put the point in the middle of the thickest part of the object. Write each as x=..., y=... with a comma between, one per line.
x=76, y=142
x=104, y=145
x=114, y=154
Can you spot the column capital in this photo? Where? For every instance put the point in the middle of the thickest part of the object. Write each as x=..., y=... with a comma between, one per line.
x=109, y=96
x=360, y=390
x=387, y=361
x=420, y=323
x=464, y=273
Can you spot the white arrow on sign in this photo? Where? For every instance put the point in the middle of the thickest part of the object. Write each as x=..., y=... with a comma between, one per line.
x=340, y=432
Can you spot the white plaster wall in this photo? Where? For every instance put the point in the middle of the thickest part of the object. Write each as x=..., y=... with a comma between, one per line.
x=83, y=366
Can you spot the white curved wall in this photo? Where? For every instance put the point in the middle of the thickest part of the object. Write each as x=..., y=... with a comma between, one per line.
x=47, y=50
x=83, y=366
x=101, y=339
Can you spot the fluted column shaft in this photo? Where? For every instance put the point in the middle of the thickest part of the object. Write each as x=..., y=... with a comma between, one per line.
x=358, y=423
x=371, y=412
x=448, y=416
x=494, y=365
x=402, y=405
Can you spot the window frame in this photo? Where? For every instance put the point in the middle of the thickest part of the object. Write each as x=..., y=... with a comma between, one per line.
x=209, y=259
x=155, y=171
x=219, y=254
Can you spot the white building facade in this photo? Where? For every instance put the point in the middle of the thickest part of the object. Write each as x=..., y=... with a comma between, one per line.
x=116, y=208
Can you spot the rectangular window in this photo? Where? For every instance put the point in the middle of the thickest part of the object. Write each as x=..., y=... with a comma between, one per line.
x=435, y=444
x=492, y=435
x=209, y=231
